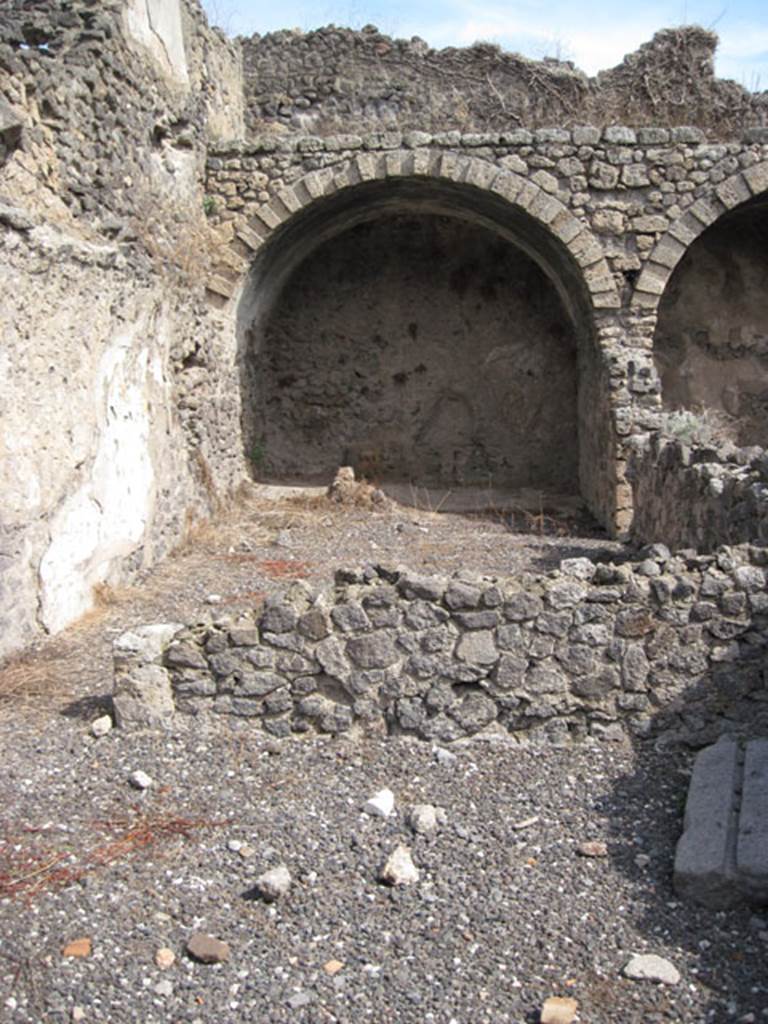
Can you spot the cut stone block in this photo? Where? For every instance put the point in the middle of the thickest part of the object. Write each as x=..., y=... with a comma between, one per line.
x=722, y=857
x=705, y=861
x=752, y=845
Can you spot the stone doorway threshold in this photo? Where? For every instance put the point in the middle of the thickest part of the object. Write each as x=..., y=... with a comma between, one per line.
x=457, y=500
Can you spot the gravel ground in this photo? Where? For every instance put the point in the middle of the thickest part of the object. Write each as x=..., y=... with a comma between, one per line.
x=502, y=917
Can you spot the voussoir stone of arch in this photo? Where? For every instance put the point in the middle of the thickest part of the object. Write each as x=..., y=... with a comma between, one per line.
x=485, y=175
x=672, y=246
x=757, y=178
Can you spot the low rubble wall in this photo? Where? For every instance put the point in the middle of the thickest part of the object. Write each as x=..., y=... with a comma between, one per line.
x=699, y=497
x=669, y=645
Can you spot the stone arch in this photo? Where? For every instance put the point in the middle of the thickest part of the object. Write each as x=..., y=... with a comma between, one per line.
x=252, y=234
x=281, y=235
x=670, y=249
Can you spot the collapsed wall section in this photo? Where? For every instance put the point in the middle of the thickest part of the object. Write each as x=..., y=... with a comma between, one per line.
x=338, y=80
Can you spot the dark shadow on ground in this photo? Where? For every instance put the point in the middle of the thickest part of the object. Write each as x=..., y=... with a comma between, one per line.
x=721, y=953
x=87, y=708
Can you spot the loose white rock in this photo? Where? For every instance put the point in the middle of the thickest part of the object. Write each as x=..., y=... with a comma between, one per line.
x=164, y=988
x=425, y=819
x=649, y=967
x=443, y=756
x=101, y=726
x=593, y=848
x=140, y=780
x=518, y=826
x=275, y=883
x=381, y=805
x=558, y=1010
x=399, y=868
x=578, y=568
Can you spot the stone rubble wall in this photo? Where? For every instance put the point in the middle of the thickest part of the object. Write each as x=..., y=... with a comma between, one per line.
x=620, y=197
x=627, y=185
x=699, y=497
x=334, y=79
x=665, y=645
x=104, y=113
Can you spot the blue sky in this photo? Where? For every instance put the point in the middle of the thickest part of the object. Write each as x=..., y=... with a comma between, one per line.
x=594, y=34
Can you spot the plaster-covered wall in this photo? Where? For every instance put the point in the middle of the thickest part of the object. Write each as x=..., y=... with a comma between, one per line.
x=104, y=455
x=97, y=466
x=156, y=26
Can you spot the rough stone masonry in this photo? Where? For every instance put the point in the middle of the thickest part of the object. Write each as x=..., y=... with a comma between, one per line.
x=672, y=646
x=164, y=192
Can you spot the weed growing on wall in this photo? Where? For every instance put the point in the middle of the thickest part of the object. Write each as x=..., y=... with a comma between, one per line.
x=698, y=427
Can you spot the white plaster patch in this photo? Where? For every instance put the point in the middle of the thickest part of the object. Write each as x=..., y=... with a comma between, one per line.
x=106, y=519
x=156, y=25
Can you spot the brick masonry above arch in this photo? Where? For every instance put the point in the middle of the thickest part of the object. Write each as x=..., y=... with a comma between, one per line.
x=520, y=191
x=739, y=188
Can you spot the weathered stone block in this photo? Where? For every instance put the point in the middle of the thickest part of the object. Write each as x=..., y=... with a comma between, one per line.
x=374, y=650
x=705, y=860
x=142, y=697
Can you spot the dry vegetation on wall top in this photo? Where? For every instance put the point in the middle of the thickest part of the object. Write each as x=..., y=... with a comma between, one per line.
x=319, y=80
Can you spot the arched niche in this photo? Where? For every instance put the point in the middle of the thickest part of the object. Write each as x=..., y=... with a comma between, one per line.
x=429, y=332
x=711, y=340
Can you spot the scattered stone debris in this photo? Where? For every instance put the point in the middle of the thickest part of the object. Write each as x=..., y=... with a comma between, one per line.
x=275, y=883
x=426, y=819
x=558, y=1010
x=165, y=958
x=650, y=967
x=520, y=826
x=140, y=780
x=78, y=1014
x=346, y=490
x=207, y=949
x=381, y=804
x=399, y=868
x=299, y=1000
x=333, y=967
x=593, y=848
x=78, y=948
x=101, y=726
x=445, y=757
